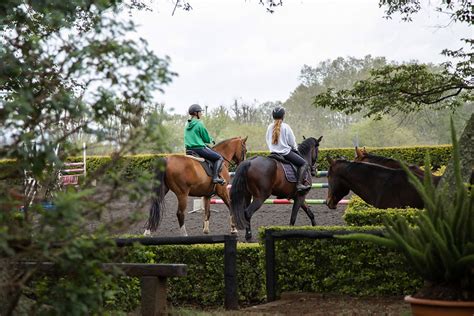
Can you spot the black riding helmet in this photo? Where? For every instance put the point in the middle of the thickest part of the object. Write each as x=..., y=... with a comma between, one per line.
x=194, y=108
x=278, y=112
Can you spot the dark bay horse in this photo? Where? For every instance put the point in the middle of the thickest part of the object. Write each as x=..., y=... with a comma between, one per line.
x=377, y=185
x=258, y=178
x=186, y=177
x=363, y=156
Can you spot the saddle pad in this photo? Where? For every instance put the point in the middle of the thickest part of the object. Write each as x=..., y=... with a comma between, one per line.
x=207, y=165
x=195, y=158
x=290, y=174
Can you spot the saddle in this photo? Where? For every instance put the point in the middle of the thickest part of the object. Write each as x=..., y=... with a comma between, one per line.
x=290, y=169
x=206, y=164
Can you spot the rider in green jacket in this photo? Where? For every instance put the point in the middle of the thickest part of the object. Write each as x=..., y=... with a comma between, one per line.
x=196, y=139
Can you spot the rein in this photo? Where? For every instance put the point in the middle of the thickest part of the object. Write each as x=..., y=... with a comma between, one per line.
x=232, y=163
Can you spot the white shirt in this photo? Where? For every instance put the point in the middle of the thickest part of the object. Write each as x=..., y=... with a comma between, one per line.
x=286, y=141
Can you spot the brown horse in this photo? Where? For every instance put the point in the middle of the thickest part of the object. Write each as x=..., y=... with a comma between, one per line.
x=261, y=177
x=363, y=156
x=377, y=185
x=186, y=177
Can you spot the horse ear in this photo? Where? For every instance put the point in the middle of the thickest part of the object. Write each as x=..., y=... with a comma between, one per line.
x=304, y=137
x=319, y=139
x=364, y=151
x=245, y=139
x=330, y=160
x=359, y=152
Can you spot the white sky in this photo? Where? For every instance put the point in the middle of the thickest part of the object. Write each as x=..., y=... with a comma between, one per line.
x=228, y=49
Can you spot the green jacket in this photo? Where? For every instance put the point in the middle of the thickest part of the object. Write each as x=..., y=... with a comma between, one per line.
x=196, y=134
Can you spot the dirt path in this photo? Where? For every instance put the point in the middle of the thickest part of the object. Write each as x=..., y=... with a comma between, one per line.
x=267, y=215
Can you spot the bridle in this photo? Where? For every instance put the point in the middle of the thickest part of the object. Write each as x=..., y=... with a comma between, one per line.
x=242, y=158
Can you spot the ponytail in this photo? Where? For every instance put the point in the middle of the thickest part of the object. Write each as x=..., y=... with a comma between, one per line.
x=276, y=131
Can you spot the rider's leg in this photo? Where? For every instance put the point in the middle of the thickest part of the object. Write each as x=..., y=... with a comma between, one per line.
x=217, y=161
x=215, y=173
x=298, y=161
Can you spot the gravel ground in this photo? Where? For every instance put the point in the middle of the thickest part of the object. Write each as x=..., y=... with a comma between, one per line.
x=267, y=215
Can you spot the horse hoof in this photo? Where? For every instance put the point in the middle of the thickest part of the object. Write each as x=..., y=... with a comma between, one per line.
x=206, y=232
x=234, y=231
x=147, y=233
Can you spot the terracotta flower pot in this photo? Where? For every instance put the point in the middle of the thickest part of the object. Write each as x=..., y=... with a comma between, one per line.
x=425, y=307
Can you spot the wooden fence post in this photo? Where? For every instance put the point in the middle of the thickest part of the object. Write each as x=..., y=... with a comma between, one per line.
x=270, y=265
x=231, y=298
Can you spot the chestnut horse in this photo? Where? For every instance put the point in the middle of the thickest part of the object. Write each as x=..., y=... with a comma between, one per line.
x=363, y=156
x=377, y=185
x=186, y=177
x=260, y=177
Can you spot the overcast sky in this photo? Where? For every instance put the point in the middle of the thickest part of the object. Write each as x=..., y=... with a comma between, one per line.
x=223, y=50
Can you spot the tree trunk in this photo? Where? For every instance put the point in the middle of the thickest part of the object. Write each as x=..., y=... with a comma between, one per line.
x=466, y=149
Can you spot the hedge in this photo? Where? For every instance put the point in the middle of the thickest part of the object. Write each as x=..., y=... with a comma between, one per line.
x=325, y=266
x=341, y=266
x=204, y=283
x=359, y=213
x=131, y=166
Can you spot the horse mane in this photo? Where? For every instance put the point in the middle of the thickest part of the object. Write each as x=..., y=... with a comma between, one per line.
x=306, y=146
x=373, y=167
x=224, y=141
x=380, y=159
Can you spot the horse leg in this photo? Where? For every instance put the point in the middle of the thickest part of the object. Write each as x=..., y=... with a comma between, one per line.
x=223, y=193
x=309, y=212
x=182, y=204
x=207, y=214
x=249, y=211
x=298, y=202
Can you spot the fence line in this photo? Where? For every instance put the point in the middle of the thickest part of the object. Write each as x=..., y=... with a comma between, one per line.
x=231, y=298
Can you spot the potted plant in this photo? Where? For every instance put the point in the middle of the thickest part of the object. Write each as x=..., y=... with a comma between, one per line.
x=439, y=245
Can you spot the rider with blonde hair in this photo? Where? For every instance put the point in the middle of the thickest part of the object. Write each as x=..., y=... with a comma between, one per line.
x=196, y=139
x=281, y=140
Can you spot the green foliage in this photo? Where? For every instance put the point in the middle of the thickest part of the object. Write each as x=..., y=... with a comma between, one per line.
x=411, y=155
x=440, y=244
x=330, y=265
x=204, y=283
x=129, y=167
x=71, y=70
x=392, y=89
x=359, y=213
x=340, y=266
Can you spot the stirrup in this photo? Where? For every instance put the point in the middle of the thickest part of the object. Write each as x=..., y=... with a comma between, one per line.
x=302, y=187
x=218, y=181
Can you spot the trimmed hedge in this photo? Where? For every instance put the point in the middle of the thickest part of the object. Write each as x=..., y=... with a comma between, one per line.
x=439, y=155
x=341, y=266
x=359, y=213
x=131, y=166
x=204, y=284
x=330, y=265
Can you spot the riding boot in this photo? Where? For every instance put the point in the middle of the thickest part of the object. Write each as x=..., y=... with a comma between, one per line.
x=215, y=172
x=300, y=186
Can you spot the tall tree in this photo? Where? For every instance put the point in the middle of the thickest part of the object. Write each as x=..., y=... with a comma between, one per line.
x=67, y=67
x=409, y=88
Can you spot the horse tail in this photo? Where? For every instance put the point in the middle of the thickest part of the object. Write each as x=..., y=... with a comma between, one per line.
x=239, y=194
x=158, y=199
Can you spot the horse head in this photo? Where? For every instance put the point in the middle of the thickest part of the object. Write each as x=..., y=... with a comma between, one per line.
x=337, y=188
x=309, y=149
x=360, y=154
x=240, y=154
x=233, y=149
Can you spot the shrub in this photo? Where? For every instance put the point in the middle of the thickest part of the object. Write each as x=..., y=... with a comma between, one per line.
x=359, y=213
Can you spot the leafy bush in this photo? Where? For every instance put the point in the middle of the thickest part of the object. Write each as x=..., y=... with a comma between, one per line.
x=132, y=165
x=440, y=244
x=204, y=283
x=340, y=266
x=359, y=213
